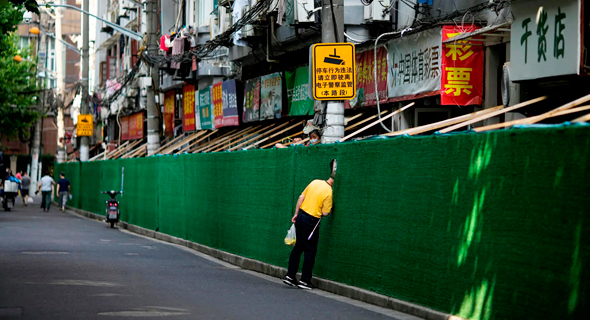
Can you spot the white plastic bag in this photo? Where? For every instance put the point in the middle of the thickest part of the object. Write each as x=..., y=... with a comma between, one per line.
x=291, y=237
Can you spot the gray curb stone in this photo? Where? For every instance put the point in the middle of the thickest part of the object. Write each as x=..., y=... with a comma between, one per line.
x=279, y=272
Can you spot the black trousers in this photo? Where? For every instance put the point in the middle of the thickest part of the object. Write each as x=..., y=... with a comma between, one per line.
x=304, y=224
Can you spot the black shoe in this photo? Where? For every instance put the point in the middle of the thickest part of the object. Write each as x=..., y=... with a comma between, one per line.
x=306, y=285
x=290, y=281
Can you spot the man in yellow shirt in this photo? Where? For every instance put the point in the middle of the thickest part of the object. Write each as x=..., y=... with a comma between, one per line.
x=314, y=203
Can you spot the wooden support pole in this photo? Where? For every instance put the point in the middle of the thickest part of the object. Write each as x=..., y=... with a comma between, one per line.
x=134, y=152
x=275, y=134
x=214, y=140
x=182, y=142
x=522, y=121
x=365, y=120
x=112, y=153
x=127, y=149
x=190, y=146
x=441, y=124
x=493, y=114
x=260, y=136
x=169, y=143
x=376, y=122
x=226, y=144
x=214, y=143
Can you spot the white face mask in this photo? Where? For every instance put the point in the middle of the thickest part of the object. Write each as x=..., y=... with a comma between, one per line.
x=313, y=140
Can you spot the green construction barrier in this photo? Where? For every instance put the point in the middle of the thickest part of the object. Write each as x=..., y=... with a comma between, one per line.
x=483, y=226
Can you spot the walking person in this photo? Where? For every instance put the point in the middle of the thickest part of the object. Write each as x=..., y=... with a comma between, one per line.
x=314, y=203
x=46, y=185
x=63, y=190
x=25, y=185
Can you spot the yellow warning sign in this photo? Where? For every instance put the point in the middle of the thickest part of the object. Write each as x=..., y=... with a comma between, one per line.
x=84, y=126
x=333, y=71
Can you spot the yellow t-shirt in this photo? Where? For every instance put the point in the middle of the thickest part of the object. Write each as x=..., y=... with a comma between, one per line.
x=318, y=198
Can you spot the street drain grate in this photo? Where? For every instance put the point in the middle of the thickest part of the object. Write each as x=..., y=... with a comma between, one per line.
x=11, y=312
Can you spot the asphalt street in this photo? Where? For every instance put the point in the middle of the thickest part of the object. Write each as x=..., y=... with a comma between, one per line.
x=57, y=265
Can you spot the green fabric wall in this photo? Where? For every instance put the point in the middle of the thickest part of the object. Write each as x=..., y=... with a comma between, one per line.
x=484, y=226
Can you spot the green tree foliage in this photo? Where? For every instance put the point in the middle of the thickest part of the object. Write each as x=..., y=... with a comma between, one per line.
x=17, y=79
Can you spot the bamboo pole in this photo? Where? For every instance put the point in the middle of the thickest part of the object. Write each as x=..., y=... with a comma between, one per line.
x=215, y=140
x=134, y=152
x=376, y=122
x=128, y=149
x=169, y=143
x=227, y=143
x=493, y=114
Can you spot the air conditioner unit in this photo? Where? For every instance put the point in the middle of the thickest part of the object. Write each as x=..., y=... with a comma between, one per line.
x=377, y=11
x=510, y=90
x=301, y=11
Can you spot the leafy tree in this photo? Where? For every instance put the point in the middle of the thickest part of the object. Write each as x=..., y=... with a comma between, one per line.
x=30, y=5
x=17, y=79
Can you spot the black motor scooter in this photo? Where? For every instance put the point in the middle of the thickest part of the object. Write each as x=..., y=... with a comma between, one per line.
x=112, y=208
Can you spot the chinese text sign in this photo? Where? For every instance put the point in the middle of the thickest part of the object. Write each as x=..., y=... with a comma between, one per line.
x=188, y=108
x=545, y=39
x=333, y=71
x=462, y=68
x=230, y=103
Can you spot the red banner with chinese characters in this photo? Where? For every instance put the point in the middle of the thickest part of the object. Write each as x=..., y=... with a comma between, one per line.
x=365, y=74
x=136, y=126
x=169, y=113
x=188, y=108
x=124, y=128
x=462, y=68
x=217, y=98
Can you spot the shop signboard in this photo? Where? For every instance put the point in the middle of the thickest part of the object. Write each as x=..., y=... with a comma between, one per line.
x=462, y=68
x=230, y=103
x=125, y=128
x=251, y=100
x=414, y=65
x=217, y=99
x=205, y=109
x=169, y=101
x=188, y=108
x=197, y=111
x=300, y=104
x=271, y=96
x=365, y=85
x=136, y=126
x=545, y=39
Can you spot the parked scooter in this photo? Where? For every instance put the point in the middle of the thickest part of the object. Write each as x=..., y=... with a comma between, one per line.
x=8, y=193
x=112, y=208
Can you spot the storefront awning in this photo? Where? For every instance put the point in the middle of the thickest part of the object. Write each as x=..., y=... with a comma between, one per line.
x=491, y=34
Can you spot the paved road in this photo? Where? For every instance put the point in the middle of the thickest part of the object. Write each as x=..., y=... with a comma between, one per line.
x=57, y=265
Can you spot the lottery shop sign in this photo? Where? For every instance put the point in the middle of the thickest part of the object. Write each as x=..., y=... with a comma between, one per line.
x=462, y=68
x=332, y=64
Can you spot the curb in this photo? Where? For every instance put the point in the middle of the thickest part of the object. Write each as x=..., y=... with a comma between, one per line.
x=279, y=272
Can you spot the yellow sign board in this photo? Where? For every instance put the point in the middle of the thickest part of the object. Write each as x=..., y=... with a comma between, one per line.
x=333, y=71
x=84, y=126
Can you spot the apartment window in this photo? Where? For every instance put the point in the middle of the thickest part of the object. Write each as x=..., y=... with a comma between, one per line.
x=24, y=42
x=205, y=7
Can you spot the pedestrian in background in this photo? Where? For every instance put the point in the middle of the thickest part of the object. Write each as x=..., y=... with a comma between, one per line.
x=63, y=190
x=25, y=185
x=314, y=203
x=46, y=185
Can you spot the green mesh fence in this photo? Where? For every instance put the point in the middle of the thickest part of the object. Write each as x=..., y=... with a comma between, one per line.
x=484, y=226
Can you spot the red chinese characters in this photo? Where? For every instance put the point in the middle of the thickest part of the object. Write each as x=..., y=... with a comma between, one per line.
x=365, y=79
x=462, y=68
x=169, y=113
x=216, y=90
x=188, y=104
